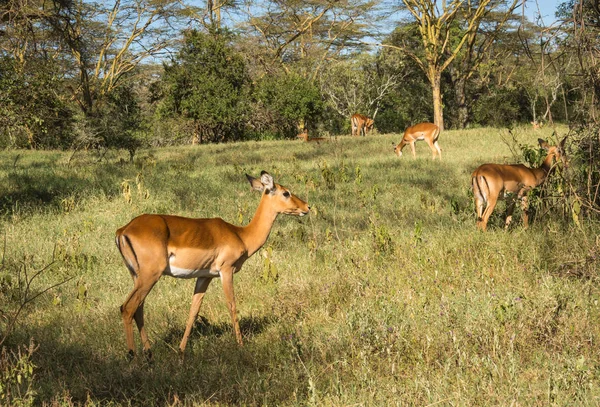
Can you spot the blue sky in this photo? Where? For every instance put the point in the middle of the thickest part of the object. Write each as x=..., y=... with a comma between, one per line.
x=546, y=7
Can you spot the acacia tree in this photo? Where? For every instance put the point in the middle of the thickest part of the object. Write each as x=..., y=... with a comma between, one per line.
x=107, y=41
x=475, y=52
x=358, y=85
x=440, y=44
x=302, y=36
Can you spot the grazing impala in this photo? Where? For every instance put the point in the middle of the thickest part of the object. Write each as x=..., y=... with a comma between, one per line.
x=491, y=181
x=361, y=124
x=157, y=245
x=422, y=131
x=304, y=136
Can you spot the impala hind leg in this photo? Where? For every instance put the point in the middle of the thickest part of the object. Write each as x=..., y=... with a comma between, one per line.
x=139, y=321
x=479, y=203
x=479, y=206
x=491, y=204
x=133, y=307
x=433, y=149
x=439, y=150
x=199, y=291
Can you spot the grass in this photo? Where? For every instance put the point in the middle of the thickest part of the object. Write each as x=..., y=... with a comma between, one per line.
x=385, y=295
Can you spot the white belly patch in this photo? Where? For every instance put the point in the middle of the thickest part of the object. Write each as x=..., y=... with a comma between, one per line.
x=179, y=272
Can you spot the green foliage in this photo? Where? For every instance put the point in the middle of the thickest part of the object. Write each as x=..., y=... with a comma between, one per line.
x=502, y=107
x=117, y=120
x=208, y=84
x=17, y=377
x=33, y=114
x=288, y=100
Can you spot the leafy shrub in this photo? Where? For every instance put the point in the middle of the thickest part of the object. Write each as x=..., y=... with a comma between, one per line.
x=290, y=101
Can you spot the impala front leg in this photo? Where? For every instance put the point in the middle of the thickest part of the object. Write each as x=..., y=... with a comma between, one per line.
x=412, y=149
x=227, y=280
x=525, y=208
x=511, y=201
x=199, y=291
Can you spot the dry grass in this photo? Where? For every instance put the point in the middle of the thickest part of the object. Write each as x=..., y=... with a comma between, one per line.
x=385, y=295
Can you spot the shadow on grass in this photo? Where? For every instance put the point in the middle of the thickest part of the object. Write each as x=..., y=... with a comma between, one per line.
x=215, y=368
x=36, y=191
x=249, y=326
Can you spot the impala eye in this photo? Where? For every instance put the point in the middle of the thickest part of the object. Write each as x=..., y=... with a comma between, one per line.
x=286, y=194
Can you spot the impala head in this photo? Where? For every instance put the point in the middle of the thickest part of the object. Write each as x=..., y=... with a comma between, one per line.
x=397, y=149
x=555, y=153
x=280, y=198
x=369, y=123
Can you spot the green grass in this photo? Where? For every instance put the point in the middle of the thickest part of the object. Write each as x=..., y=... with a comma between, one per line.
x=385, y=295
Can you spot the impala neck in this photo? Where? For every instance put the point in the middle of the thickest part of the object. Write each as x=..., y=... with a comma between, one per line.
x=544, y=170
x=255, y=234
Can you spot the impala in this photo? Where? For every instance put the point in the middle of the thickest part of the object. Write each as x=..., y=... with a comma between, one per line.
x=361, y=124
x=157, y=245
x=491, y=181
x=537, y=125
x=304, y=136
x=422, y=131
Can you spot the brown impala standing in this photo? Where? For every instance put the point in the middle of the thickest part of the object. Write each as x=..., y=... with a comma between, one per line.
x=361, y=124
x=157, y=245
x=491, y=181
x=422, y=131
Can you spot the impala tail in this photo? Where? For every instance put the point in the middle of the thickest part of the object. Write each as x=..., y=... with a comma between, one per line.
x=481, y=192
x=127, y=252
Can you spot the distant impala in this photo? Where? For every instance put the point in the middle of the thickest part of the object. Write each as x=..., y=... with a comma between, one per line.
x=304, y=136
x=491, y=181
x=422, y=131
x=157, y=245
x=361, y=124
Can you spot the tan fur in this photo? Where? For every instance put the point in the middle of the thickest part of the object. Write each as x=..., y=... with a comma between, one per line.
x=361, y=124
x=422, y=131
x=491, y=181
x=153, y=245
x=304, y=136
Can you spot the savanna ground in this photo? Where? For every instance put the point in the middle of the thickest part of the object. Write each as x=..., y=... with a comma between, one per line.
x=385, y=295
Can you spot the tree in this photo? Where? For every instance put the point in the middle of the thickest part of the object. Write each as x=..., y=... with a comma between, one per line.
x=475, y=52
x=438, y=46
x=291, y=103
x=358, y=86
x=109, y=40
x=208, y=84
x=33, y=114
x=302, y=36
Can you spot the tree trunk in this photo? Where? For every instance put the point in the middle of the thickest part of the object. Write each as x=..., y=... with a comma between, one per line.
x=438, y=114
x=459, y=84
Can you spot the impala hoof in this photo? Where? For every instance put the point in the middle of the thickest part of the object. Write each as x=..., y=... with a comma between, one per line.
x=148, y=355
x=130, y=355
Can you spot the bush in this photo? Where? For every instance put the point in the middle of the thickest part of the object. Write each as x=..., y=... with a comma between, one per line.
x=288, y=100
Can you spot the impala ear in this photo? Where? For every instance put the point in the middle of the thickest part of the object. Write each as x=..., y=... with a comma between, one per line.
x=562, y=143
x=267, y=181
x=255, y=183
x=543, y=144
